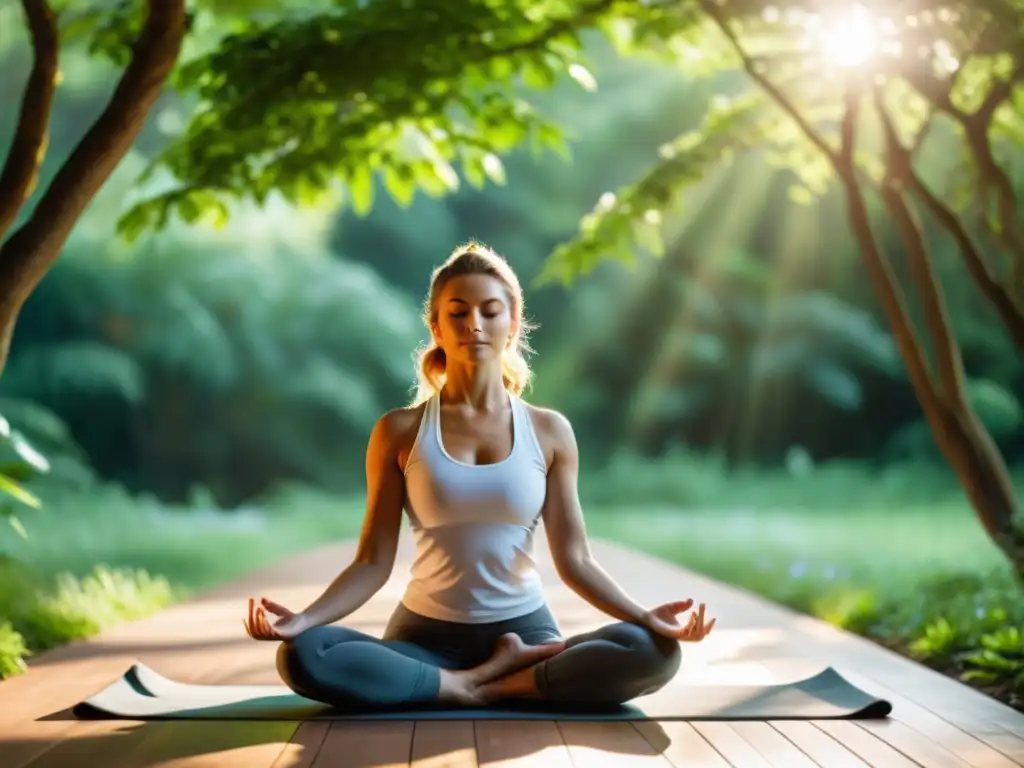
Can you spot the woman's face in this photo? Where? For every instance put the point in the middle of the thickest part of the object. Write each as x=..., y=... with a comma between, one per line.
x=474, y=318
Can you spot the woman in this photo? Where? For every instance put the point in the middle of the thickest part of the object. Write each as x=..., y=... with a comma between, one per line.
x=474, y=468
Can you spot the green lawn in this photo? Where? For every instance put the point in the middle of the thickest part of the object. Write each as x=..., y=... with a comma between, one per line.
x=872, y=548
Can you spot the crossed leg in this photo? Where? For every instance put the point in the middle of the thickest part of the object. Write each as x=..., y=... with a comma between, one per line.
x=611, y=665
x=347, y=668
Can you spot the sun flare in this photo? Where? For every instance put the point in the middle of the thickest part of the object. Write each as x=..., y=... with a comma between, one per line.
x=851, y=40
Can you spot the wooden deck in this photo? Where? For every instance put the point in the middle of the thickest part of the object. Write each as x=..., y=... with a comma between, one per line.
x=936, y=722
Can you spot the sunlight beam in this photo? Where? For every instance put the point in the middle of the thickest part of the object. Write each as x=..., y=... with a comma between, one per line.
x=851, y=40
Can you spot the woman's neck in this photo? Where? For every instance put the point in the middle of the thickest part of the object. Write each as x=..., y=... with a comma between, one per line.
x=479, y=386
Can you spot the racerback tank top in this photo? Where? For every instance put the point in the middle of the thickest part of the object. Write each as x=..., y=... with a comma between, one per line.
x=474, y=525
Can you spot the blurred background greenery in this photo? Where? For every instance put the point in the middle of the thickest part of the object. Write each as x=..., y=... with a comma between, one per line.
x=739, y=402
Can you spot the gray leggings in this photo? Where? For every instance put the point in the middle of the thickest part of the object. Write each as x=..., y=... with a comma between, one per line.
x=346, y=668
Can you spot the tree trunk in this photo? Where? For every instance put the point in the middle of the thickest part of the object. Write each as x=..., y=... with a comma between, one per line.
x=21, y=169
x=959, y=433
x=32, y=250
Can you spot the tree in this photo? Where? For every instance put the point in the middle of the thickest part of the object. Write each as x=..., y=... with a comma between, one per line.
x=345, y=89
x=875, y=96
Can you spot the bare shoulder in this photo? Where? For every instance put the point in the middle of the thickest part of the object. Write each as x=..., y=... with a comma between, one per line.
x=396, y=431
x=401, y=421
x=554, y=433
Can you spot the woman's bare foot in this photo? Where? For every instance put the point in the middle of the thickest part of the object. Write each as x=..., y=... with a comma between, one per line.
x=511, y=654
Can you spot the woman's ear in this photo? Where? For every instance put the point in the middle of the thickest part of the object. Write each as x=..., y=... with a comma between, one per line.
x=435, y=333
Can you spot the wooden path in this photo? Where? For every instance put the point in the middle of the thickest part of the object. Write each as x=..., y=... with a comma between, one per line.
x=936, y=722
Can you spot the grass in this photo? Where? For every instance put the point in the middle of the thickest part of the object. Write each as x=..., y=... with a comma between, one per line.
x=895, y=555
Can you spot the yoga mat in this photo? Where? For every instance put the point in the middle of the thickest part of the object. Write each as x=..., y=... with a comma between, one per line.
x=143, y=694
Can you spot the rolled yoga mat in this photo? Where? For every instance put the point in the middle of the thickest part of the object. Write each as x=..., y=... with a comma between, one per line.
x=142, y=694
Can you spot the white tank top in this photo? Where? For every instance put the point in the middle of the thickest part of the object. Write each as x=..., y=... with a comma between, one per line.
x=474, y=525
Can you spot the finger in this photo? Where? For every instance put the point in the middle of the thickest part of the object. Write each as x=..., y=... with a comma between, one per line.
x=700, y=612
x=246, y=625
x=261, y=619
x=252, y=613
x=268, y=627
x=709, y=627
x=681, y=605
x=275, y=608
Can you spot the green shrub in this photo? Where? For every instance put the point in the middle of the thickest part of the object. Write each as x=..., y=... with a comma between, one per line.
x=38, y=618
x=12, y=651
x=80, y=608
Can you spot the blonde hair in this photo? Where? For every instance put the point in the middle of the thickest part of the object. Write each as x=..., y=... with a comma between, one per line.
x=475, y=258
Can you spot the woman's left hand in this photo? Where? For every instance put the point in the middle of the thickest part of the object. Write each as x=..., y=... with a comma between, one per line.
x=663, y=621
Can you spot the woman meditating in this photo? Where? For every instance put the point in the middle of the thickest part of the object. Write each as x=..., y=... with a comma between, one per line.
x=475, y=469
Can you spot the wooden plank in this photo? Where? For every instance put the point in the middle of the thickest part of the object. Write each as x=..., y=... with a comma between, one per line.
x=227, y=745
x=522, y=744
x=444, y=745
x=775, y=748
x=867, y=746
x=731, y=745
x=304, y=745
x=681, y=744
x=972, y=748
x=366, y=745
x=913, y=744
x=818, y=745
x=609, y=745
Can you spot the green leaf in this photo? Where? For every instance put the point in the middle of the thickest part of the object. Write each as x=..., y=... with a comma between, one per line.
x=538, y=73
x=29, y=454
x=18, y=471
x=473, y=168
x=582, y=75
x=400, y=183
x=494, y=168
x=17, y=526
x=361, y=189
x=17, y=492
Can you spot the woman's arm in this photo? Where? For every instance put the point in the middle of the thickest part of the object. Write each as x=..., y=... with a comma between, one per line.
x=566, y=531
x=378, y=542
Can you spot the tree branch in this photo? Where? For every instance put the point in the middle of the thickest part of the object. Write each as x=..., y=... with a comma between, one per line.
x=21, y=169
x=766, y=85
x=880, y=270
x=991, y=177
x=897, y=172
x=33, y=248
x=992, y=289
x=997, y=94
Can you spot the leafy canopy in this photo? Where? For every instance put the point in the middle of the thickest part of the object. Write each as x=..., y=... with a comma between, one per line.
x=294, y=98
x=943, y=72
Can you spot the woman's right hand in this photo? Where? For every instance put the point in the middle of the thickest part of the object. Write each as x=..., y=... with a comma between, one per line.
x=287, y=626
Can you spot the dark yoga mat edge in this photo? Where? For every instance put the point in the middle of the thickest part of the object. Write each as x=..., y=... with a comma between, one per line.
x=136, y=697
